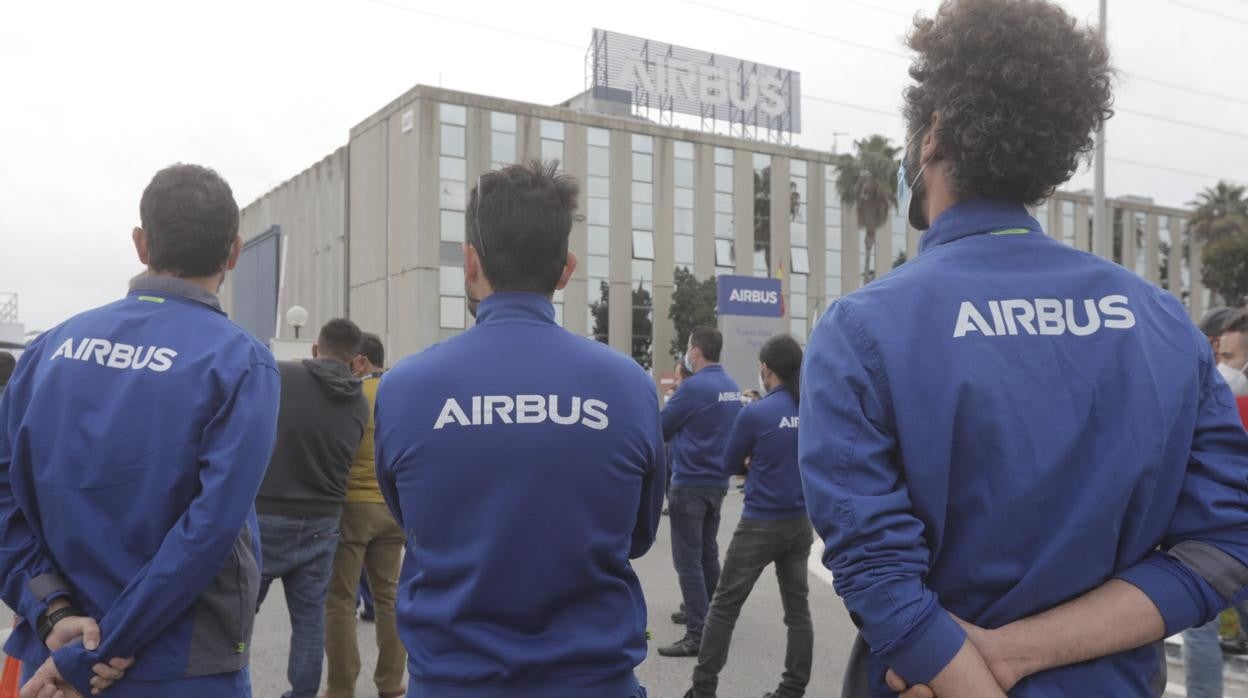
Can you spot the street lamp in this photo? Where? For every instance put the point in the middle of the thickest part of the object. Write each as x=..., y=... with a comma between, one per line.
x=297, y=317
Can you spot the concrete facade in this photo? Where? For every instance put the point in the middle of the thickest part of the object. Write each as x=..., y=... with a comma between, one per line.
x=371, y=231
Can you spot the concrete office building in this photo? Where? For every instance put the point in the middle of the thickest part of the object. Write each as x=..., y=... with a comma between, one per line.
x=373, y=231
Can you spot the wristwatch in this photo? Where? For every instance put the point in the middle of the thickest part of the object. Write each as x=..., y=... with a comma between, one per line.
x=48, y=621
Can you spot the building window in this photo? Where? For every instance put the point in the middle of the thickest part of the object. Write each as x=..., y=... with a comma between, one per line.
x=683, y=180
x=762, y=215
x=503, y=143
x=832, y=234
x=1141, y=242
x=643, y=250
x=723, y=209
x=552, y=141
x=598, y=220
x=799, y=279
x=452, y=198
x=900, y=225
x=1164, y=244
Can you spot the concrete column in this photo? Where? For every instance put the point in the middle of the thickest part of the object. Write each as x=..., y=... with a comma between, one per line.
x=1174, y=260
x=817, y=238
x=575, y=296
x=884, y=248
x=851, y=273
x=1196, y=304
x=1082, y=232
x=704, y=211
x=781, y=233
x=743, y=210
x=1152, y=240
x=620, y=322
x=664, y=251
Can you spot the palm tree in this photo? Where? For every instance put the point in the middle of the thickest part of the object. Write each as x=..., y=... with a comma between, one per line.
x=868, y=180
x=1221, y=212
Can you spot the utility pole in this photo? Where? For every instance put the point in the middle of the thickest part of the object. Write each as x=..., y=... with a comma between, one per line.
x=1102, y=240
x=836, y=139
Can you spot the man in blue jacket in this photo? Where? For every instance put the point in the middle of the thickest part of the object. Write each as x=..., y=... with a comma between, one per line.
x=133, y=439
x=1063, y=435
x=696, y=422
x=525, y=483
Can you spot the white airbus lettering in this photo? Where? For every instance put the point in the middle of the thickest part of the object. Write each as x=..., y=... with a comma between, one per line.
x=788, y=422
x=494, y=410
x=730, y=397
x=745, y=295
x=1045, y=316
x=116, y=355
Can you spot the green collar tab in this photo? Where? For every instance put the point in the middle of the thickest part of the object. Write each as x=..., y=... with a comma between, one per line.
x=152, y=299
x=1011, y=231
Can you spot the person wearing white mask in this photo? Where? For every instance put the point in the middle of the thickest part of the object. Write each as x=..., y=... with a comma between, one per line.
x=1232, y=353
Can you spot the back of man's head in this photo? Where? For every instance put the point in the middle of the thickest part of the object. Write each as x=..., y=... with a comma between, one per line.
x=7, y=365
x=519, y=219
x=340, y=339
x=1214, y=321
x=372, y=349
x=709, y=341
x=190, y=218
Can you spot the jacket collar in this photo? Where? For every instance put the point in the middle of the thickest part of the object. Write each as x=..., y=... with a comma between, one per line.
x=977, y=217
x=515, y=305
x=170, y=286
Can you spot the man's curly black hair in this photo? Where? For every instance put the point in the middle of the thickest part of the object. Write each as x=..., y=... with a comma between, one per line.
x=1019, y=89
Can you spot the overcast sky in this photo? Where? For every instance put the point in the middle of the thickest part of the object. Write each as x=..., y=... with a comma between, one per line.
x=97, y=96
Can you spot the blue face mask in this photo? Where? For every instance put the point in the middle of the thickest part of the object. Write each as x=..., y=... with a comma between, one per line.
x=905, y=191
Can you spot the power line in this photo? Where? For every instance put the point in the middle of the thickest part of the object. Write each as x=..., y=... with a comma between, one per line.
x=1211, y=13
x=1184, y=88
x=847, y=105
x=1180, y=122
x=803, y=30
x=1166, y=168
x=479, y=25
x=877, y=8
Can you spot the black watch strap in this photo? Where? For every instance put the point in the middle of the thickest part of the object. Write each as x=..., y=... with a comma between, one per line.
x=48, y=621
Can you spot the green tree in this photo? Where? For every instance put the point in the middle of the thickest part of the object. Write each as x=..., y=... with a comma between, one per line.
x=693, y=304
x=868, y=180
x=1225, y=269
x=1221, y=212
x=643, y=324
x=900, y=260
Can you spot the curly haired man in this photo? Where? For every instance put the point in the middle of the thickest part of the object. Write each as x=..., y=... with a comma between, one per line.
x=1058, y=481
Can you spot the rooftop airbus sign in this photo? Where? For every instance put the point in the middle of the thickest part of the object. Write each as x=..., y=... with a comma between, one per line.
x=662, y=76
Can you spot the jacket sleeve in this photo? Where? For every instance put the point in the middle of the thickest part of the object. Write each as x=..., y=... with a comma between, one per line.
x=381, y=458
x=649, y=511
x=31, y=580
x=233, y=455
x=678, y=410
x=1202, y=566
x=857, y=498
x=740, y=442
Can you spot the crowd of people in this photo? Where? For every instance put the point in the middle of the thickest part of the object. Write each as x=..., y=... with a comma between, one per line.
x=1025, y=462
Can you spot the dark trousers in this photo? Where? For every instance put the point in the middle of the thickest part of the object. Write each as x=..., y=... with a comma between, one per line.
x=300, y=552
x=694, y=513
x=755, y=544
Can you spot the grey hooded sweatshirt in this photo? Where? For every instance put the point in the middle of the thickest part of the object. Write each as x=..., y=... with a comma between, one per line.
x=319, y=427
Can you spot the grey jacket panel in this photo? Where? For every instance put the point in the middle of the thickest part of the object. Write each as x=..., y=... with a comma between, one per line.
x=225, y=614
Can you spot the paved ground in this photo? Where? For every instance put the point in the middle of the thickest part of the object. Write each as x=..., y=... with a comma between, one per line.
x=757, y=650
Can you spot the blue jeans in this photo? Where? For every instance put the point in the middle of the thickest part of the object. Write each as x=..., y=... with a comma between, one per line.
x=694, y=512
x=1202, y=661
x=300, y=552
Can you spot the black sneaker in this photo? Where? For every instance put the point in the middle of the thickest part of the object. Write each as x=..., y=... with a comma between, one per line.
x=684, y=647
x=368, y=616
x=679, y=618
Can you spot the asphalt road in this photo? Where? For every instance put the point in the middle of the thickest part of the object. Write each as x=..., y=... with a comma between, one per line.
x=754, y=666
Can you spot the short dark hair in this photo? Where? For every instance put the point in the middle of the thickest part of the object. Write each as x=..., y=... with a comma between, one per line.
x=8, y=363
x=340, y=339
x=1214, y=321
x=1238, y=322
x=191, y=220
x=1019, y=89
x=373, y=350
x=709, y=340
x=519, y=219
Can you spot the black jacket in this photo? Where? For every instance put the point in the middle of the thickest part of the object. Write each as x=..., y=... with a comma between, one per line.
x=319, y=427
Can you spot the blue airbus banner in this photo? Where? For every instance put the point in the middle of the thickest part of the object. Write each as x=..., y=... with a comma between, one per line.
x=746, y=295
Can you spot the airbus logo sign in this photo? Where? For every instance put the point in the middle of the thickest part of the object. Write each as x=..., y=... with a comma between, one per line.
x=748, y=295
x=656, y=75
